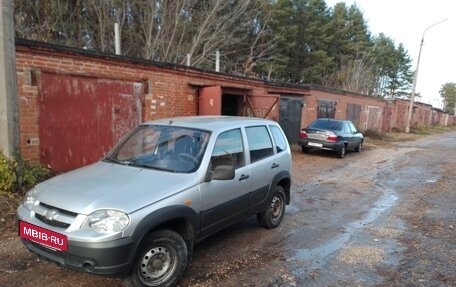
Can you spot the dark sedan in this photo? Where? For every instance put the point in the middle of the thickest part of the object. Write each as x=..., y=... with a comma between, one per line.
x=331, y=134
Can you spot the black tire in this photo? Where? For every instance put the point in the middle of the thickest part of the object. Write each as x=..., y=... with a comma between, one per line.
x=304, y=149
x=161, y=261
x=359, y=147
x=273, y=215
x=341, y=152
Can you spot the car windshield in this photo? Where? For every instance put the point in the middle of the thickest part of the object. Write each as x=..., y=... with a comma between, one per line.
x=326, y=125
x=167, y=148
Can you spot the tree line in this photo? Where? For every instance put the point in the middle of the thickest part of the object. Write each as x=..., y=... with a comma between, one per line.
x=293, y=41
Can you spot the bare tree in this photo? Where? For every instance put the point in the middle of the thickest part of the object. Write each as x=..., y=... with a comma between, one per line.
x=159, y=30
x=357, y=76
x=57, y=21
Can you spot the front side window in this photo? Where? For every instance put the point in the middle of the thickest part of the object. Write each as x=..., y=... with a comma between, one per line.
x=279, y=139
x=228, y=150
x=260, y=143
x=169, y=148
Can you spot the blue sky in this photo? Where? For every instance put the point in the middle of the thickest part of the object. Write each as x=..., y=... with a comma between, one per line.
x=404, y=21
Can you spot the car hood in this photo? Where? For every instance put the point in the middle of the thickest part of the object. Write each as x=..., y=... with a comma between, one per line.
x=111, y=186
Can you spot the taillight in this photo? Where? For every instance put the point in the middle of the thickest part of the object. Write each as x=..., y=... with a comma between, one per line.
x=303, y=135
x=332, y=138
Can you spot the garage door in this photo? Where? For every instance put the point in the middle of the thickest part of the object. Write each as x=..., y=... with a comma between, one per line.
x=81, y=118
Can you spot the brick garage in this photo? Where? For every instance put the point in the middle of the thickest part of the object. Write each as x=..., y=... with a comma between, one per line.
x=157, y=90
x=166, y=91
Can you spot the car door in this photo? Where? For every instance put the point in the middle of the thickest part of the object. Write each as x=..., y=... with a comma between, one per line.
x=224, y=202
x=348, y=135
x=263, y=165
x=356, y=134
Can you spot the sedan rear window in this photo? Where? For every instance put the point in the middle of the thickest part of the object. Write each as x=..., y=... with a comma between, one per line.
x=326, y=125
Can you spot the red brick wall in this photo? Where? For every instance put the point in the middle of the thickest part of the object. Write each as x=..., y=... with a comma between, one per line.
x=173, y=91
x=169, y=91
x=311, y=103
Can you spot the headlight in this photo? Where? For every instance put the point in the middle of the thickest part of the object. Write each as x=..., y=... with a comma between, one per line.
x=108, y=221
x=30, y=199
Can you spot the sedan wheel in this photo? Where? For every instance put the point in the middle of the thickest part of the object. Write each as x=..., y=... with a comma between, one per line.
x=359, y=147
x=341, y=152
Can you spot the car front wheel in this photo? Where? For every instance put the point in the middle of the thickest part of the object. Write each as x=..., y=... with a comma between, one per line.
x=359, y=147
x=273, y=215
x=160, y=262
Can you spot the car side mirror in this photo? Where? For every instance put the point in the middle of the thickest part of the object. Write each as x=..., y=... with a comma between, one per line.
x=221, y=172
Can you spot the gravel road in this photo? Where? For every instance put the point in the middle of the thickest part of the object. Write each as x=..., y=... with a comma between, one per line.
x=382, y=217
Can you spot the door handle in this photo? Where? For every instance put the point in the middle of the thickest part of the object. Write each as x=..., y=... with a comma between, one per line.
x=244, y=176
x=275, y=165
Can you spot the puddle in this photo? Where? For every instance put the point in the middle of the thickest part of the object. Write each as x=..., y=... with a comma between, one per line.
x=317, y=257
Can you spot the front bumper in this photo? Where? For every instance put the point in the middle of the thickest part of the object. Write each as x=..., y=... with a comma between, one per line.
x=110, y=257
x=107, y=258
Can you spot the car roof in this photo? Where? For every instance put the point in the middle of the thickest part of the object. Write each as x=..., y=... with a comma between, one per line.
x=212, y=123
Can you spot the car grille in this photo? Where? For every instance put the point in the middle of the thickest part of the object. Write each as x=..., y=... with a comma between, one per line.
x=73, y=214
x=53, y=222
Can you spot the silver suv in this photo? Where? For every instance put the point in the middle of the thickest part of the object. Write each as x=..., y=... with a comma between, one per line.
x=166, y=186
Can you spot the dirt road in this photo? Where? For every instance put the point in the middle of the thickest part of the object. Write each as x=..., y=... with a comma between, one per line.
x=383, y=217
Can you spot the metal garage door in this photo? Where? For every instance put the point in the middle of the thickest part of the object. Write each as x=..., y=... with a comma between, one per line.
x=290, y=117
x=81, y=118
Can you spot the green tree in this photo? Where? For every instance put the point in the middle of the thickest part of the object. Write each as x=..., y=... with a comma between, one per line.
x=297, y=41
x=448, y=95
x=350, y=49
x=283, y=26
x=392, y=68
x=314, y=39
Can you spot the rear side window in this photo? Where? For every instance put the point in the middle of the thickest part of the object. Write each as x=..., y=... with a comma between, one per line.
x=347, y=128
x=260, y=143
x=279, y=139
x=353, y=128
x=228, y=150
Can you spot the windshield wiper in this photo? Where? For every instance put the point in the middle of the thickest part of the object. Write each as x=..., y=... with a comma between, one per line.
x=150, y=166
x=122, y=162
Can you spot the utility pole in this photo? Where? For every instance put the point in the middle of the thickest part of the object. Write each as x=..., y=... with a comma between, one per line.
x=415, y=79
x=9, y=103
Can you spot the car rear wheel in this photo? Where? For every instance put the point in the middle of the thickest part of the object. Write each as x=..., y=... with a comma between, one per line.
x=160, y=262
x=341, y=152
x=273, y=215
